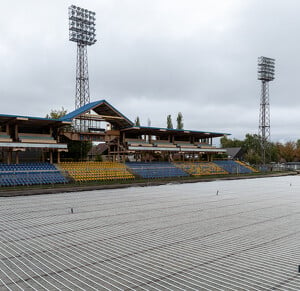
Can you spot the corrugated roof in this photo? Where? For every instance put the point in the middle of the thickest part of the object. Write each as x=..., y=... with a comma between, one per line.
x=81, y=110
x=29, y=117
x=102, y=107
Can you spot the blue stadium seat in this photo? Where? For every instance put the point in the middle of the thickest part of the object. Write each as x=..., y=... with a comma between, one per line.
x=155, y=170
x=233, y=167
x=29, y=174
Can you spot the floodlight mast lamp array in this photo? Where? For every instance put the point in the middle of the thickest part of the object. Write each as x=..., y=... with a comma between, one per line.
x=82, y=31
x=266, y=73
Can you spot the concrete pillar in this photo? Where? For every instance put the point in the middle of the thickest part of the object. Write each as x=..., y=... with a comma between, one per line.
x=17, y=157
x=58, y=157
x=51, y=157
x=9, y=157
x=16, y=131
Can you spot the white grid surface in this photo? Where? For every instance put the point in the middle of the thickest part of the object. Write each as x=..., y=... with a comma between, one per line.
x=172, y=237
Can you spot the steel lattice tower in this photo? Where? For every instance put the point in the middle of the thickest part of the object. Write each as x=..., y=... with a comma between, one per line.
x=82, y=95
x=82, y=30
x=266, y=73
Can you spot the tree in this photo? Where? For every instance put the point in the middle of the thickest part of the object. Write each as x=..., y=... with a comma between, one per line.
x=56, y=114
x=231, y=143
x=287, y=151
x=137, y=121
x=252, y=142
x=179, y=121
x=252, y=157
x=251, y=147
x=78, y=150
x=169, y=122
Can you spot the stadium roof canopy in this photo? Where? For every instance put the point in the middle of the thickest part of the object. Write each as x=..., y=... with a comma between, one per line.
x=105, y=112
x=174, y=132
x=28, y=121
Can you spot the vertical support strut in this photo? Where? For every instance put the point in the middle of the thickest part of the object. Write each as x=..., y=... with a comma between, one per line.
x=264, y=119
x=82, y=83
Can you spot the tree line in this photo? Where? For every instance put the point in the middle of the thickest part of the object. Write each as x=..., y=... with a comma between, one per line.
x=179, y=121
x=275, y=151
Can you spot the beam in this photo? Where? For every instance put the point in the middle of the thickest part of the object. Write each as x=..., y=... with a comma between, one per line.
x=100, y=117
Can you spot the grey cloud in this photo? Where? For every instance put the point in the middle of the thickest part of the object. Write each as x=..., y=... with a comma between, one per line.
x=155, y=58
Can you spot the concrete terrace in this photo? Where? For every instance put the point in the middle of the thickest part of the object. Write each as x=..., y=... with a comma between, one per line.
x=171, y=237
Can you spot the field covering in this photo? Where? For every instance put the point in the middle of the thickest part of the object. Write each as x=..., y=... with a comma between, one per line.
x=222, y=235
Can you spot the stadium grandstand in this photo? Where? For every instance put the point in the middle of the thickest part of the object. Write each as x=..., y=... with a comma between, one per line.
x=132, y=151
x=107, y=124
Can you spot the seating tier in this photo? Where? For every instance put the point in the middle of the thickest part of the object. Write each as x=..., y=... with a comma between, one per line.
x=201, y=168
x=155, y=170
x=36, y=138
x=233, y=167
x=96, y=171
x=185, y=144
x=4, y=137
x=163, y=144
x=138, y=142
x=247, y=166
x=29, y=174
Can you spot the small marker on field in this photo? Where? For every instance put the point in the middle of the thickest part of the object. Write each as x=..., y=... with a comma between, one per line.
x=298, y=268
x=217, y=192
x=72, y=210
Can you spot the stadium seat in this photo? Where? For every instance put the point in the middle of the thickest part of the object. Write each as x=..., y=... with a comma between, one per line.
x=201, y=168
x=155, y=170
x=96, y=171
x=233, y=167
x=30, y=174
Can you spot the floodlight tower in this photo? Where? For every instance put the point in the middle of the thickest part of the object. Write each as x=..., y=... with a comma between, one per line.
x=266, y=73
x=82, y=31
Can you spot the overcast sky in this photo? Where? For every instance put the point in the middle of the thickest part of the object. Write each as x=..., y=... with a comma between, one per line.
x=158, y=57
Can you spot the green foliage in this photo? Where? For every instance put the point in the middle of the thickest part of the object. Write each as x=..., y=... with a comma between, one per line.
x=56, y=114
x=78, y=150
x=230, y=143
x=98, y=158
x=169, y=122
x=251, y=142
x=179, y=121
x=288, y=152
x=137, y=121
x=253, y=157
x=275, y=152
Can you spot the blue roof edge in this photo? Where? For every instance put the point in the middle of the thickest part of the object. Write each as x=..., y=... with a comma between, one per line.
x=80, y=110
x=29, y=117
x=90, y=106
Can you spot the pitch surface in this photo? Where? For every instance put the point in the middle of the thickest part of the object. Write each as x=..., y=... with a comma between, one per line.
x=223, y=235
